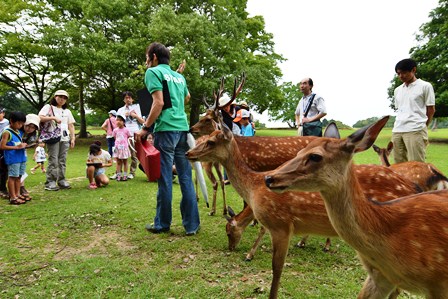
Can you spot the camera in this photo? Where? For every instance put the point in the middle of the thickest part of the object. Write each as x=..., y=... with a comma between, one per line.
x=64, y=133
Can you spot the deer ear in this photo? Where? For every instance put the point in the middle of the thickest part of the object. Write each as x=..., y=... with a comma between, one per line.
x=365, y=137
x=390, y=146
x=376, y=148
x=332, y=131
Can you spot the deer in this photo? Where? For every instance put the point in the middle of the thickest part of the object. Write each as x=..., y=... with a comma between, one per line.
x=209, y=166
x=425, y=175
x=288, y=213
x=378, y=231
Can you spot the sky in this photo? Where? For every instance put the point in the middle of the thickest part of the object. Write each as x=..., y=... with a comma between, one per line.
x=348, y=47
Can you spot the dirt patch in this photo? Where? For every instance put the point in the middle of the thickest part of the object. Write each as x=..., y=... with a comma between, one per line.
x=100, y=242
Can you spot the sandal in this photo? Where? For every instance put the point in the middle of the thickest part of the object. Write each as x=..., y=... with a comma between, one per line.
x=25, y=197
x=16, y=201
x=4, y=195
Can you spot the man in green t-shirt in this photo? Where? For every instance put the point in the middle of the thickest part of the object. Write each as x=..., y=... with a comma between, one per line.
x=170, y=94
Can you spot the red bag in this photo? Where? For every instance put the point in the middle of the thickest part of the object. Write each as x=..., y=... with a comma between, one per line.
x=149, y=158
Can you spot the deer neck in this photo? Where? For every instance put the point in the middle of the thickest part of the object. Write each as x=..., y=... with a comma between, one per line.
x=243, y=179
x=348, y=209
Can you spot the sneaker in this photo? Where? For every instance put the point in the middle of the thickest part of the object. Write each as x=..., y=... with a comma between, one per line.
x=64, y=185
x=51, y=187
x=113, y=177
x=192, y=233
x=118, y=177
x=124, y=178
x=33, y=171
x=93, y=186
x=130, y=176
x=44, y=171
x=152, y=229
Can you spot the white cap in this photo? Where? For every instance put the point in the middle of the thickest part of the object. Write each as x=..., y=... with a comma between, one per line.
x=242, y=113
x=32, y=119
x=61, y=93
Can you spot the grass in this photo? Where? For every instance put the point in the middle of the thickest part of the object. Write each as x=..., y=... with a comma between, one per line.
x=82, y=243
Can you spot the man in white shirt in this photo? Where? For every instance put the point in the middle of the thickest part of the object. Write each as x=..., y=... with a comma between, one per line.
x=415, y=104
x=133, y=119
x=316, y=109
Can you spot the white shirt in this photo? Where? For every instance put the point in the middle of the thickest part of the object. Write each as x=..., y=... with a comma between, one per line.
x=65, y=115
x=411, y=102
x=131, y=123
x=317, y=107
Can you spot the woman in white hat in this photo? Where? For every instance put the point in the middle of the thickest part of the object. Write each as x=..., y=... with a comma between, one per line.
x=228, y=111
x=58, y=112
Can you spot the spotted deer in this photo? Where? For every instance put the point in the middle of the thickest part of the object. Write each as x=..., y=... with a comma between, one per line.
x=209, y=166
x=402, y=243
x=288, y=213
x=425, y=175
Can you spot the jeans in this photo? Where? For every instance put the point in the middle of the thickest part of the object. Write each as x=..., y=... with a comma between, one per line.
x=57, y=158
x=110, y=145
x=173, y=146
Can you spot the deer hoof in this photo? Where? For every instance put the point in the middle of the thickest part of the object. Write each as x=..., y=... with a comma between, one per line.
x=300, y=245
x=248, y=258
x=211, y=213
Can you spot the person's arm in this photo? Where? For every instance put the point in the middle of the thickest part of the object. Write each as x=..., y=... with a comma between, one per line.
x=187, y=98
x=104, y=126
x=137, y=114
x=107, y=164
x=5, y=138
x=430, y=110
x=156, y=109
x=71, y=129
x=314, y=118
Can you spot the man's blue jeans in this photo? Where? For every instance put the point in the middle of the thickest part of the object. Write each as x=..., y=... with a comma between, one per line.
x=173, y=146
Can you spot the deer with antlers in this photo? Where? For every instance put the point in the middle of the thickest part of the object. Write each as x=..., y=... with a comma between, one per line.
x=289, y=213
x=378, y=231
x=425, y=175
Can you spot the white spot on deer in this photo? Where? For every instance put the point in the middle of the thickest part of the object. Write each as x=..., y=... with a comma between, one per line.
x=414, y=243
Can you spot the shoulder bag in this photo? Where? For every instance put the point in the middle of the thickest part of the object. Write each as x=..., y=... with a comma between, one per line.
x=50, y=132
x=313, y=128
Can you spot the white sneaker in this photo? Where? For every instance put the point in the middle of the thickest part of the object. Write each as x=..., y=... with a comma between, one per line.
x=113, y=177
x=130, y=176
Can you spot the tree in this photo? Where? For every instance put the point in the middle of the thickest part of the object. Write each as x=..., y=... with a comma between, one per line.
x=431, y=56
x=285, y=112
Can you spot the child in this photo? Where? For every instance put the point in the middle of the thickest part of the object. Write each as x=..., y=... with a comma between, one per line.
x=14, y=155
x=121, y=151
x=40, y=156
x=3, y=169
x=242, y=117
x=96, y=161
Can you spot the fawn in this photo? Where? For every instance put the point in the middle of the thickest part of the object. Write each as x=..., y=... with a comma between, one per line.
x=378, y=231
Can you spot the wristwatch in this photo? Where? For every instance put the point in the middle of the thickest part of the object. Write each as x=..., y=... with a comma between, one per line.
x=144, y=127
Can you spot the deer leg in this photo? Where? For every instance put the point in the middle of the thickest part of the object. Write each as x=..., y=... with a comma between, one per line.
x=327, y=245
x=209, y=172
x=280, y=243
x=196, y=187
x=221, y=181
x=254, y=248
x=302, y=242
x=376, y=285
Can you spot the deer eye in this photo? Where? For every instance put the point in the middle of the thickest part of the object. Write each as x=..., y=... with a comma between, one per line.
x=210, y=143
x=315, y=157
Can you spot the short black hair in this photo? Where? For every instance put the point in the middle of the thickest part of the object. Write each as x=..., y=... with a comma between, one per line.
x=310, y=82
x=162, y=52
x=127, y=94
x=405, y=65
x=94, y=148
x=16, y=116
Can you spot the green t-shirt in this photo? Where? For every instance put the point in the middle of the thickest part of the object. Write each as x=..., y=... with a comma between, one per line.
x=173, y=116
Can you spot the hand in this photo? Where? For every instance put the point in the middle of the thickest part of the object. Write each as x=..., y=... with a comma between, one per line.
x=139, y=134
x=72, y=143
x=22, y=145
x=181, y=67
x=57, y=120
x=305, y=120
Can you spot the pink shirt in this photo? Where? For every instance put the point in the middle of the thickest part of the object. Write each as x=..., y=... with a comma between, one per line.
x=110, y=128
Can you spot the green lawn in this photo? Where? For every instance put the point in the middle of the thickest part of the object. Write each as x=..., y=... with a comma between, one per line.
x=82, y=243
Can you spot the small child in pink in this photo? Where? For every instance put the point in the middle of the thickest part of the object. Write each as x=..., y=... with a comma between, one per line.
x=121, y=150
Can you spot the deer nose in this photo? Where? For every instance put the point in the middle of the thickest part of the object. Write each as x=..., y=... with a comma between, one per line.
x=268, y=180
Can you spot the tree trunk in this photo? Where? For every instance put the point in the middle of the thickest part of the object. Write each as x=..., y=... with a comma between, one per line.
x=82, y=112
x=195, y=111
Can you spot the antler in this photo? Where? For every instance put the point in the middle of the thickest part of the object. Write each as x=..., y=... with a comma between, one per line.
x=237, y=91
